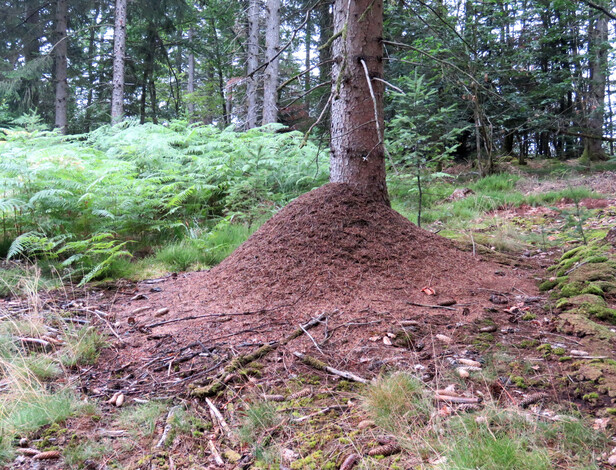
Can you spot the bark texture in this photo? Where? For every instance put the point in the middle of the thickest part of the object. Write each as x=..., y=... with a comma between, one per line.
x=190, y=88
x=598, y=44
x=272, y=45
x=119, y=51
x=60, y=52
x=357, y=151
x=252, y=61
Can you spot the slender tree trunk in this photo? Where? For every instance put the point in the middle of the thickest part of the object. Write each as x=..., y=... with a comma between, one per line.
x=91, y=54
x=325, y=32
x=191, y=78
x=357, y=151
x=252, y=61
x=60, y=52
x=226, y=119
x=272, y=44
x=308, y=46
x=598, y=49
x=119, y=51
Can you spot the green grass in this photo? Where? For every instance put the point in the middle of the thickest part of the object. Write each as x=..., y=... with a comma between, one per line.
x=258, y=417
x=207, y=251
x=82, y=347
x=75, y=455
x=141, y=419
x=493, y=438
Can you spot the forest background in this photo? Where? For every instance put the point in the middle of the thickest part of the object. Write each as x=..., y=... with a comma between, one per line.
x=483, y=82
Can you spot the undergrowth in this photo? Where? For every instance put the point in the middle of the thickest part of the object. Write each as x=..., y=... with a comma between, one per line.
x=493, y=438
x=83, y=202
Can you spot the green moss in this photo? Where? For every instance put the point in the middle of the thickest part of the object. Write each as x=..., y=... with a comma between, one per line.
x=581, y=301
x=594, y=272
x=528, y=343
x=601, y=313
x=548, y=284
x=313, y=461
x=565, y=359
x=571, y=253
x=591, y=397
x=519, y=382
x=572, y=289
x=610, y=411
x=593, y=289
x=558, y=351
x=576, y=323
x=596, y=259
x=529, y=316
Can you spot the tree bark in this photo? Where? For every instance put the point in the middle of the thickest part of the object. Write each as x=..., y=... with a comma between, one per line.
x=598, y=49
x=60, y=52
x=119, y=51
x=191, y=78
x=307, y=64
x=357, y=151
x=272, y=44
x=252, y=62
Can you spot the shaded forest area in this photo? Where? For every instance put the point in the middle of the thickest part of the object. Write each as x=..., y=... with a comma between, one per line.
x=524, y=78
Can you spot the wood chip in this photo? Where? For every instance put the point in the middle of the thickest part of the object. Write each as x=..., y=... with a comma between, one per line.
x=488, y=329
x=463, y=373
x=578, y=352
x=386, y=341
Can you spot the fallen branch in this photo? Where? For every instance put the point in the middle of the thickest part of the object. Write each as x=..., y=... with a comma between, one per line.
x=238, y=362
x=168, y=425
x=462, y=400
x=320, y=412
x=319, y=365
x=431, y=306
x=219, y=418
x=217, y=458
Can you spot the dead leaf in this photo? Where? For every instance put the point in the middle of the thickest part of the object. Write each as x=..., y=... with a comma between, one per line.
x=428, y=291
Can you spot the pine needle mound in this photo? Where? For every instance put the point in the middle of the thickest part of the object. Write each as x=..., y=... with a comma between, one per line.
x=333, y=253
x=333, y=246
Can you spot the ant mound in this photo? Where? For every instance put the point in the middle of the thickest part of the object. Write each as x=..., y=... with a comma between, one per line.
x=330, y=253
x=334, y=248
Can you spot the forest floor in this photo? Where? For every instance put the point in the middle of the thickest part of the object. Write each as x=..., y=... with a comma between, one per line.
x=340, y=335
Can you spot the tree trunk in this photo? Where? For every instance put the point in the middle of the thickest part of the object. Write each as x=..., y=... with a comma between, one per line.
x=272, y=44
x=308, y=45
x=325, y=32
x=357, y=151
x=252, y=61
x=91, y=54
x=191, y=78
x=60, y=62
x=119, y=50
x=598, y=49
